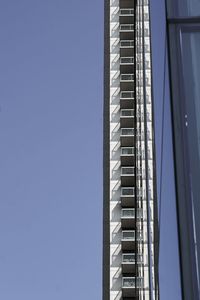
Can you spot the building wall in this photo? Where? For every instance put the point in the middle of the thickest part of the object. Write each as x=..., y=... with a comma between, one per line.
x=144, y=160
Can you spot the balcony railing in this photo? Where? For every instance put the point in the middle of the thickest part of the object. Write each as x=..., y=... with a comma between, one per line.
x=127, y=44
x=127, y=136
x=127, y=112
x=127, y=156
x=132, y=282
x=128, y=258
x=126, y=60
x=126, y=12
x=128, y=218
x=128, y=213
x=127, y=118
x=129, y=239
x=128, y=263
x=127, y=131
x=128, y=191
x=127, y=171
x=126, y=27
x=127, y=95
x=127, y=77
x=127, y=197
x=131, y=258
x=128, y=235
x=127, y=151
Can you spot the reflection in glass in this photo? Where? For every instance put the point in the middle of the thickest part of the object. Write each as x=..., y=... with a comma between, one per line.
x=191, y=73
x=183, y=8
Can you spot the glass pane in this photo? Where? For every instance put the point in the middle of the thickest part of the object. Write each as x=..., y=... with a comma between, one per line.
x=191, y=72
x=183, y=8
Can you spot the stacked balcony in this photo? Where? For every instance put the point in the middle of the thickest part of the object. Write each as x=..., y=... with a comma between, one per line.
x=126, y=99
x=128, y=240
x=127, y=82
x=126, y=64
x=127, y=176
x=128, y=218
x=127, y=156
x=131, y=286
x=126, y=48
x=129, y=261
x=129, y=214
x=127, y=137
x=128, y=197
x=127, y=118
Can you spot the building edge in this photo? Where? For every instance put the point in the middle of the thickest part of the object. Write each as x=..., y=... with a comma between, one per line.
x=106, y=154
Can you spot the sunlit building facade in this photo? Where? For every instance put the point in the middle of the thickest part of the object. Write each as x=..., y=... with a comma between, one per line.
x=130, y=228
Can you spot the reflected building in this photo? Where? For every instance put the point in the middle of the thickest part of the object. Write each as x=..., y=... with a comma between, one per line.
x=183, y=28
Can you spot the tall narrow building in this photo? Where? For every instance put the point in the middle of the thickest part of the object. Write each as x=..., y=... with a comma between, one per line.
x=129, y=258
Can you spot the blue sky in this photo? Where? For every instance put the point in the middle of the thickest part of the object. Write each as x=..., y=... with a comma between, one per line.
x=51, y=97
x=51, y=104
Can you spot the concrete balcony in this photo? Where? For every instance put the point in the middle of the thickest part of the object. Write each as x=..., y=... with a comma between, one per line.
x=125, y=12
x=129, y=262
x=128, y=240
x=127, y=118
x=128, y=197
x=127, y=44
x=127, y=82
x=128, y=218
x=127, y=48
x=127, y=156
x=126, y=31
x=131, y=286
x=127, y=64
x=127, y=137
x=126, y=16
x=127, y=176
x=126, y=99
x=126, y=27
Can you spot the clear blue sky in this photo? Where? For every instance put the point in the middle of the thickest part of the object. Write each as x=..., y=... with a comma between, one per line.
x=51, y=101
x=51, y=71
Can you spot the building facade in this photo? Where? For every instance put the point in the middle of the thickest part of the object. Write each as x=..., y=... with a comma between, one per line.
x=130, y=210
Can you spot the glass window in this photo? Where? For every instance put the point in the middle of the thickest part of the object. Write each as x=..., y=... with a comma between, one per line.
x=191, y=76
x=183, y=8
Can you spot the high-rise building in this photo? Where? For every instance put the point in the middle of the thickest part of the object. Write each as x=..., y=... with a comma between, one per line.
x=130, y=229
